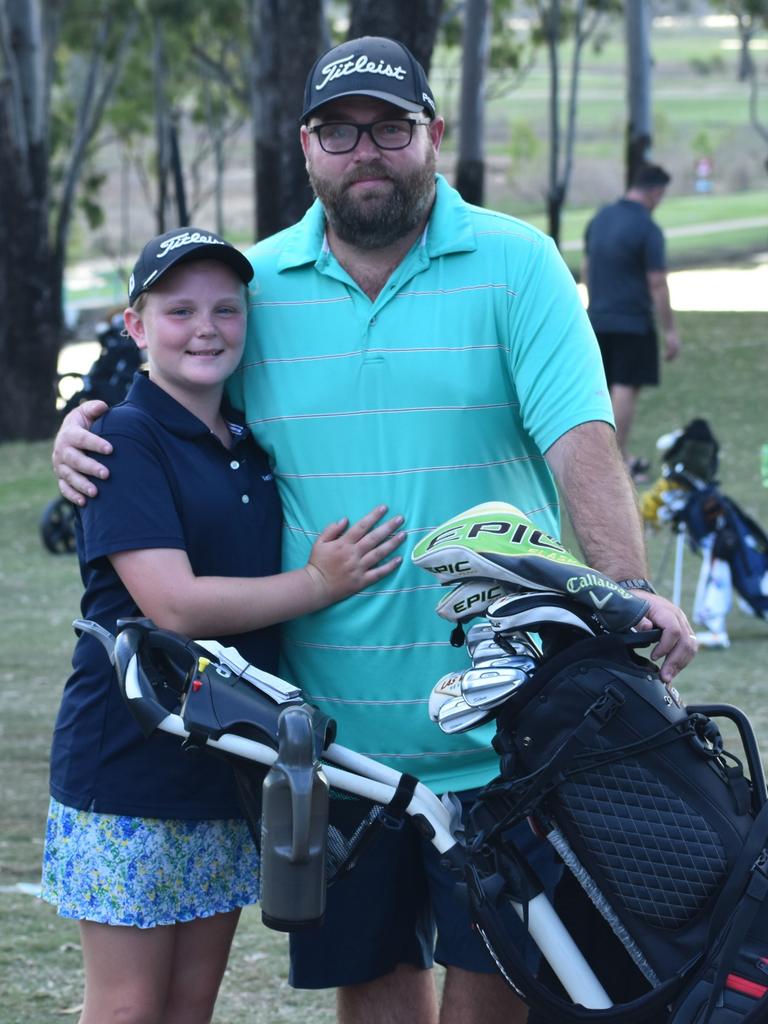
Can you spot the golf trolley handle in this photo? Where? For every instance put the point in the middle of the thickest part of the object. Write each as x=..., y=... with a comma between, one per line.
x=748, y=741
x=135, y=685
x=296, y=756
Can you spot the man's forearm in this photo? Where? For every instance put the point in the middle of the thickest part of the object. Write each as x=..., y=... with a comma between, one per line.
x=662, y=303
x=600, y=499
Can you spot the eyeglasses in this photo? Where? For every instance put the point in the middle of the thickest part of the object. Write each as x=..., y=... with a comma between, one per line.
x=342, y=136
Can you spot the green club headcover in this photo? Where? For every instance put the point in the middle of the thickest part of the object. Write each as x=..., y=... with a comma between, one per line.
x=496, y=543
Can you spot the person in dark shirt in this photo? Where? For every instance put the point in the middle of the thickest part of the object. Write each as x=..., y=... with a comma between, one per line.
x=148, y=850
x=626, y=276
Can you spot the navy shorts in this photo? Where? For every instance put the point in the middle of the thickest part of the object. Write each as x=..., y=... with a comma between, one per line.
x=398, y=905
x=630, y=359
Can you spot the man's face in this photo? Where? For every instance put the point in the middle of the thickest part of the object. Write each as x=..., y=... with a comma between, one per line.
x=373, y=197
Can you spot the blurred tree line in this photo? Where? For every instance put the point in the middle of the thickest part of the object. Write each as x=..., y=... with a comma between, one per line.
x=75, y=73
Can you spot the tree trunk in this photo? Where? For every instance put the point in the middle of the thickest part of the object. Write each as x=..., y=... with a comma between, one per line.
x=162, y=122
x=179, y=187
x=413, y=24
x=470, y=168
x=554, y=214
x=638, y=28
x=285, y=38
x=34, y=229
x=552, y=36
x=30, y=299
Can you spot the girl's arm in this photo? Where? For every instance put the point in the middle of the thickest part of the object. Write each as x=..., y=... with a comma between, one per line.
x=342, y=562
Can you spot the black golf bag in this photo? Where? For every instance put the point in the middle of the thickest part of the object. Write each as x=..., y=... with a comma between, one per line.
x=662, y=834
x=111, y=373
x=108, y=379
x=665, y=834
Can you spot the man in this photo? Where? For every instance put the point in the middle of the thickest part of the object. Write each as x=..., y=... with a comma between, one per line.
x=625, y=272
x=402, y=343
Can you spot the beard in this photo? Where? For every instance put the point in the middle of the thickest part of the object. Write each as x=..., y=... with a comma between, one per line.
x=377, y=221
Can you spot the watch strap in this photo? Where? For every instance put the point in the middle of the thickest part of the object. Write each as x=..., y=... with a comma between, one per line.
x=637, y=583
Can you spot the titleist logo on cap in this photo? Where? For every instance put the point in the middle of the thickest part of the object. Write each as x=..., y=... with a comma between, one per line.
x=187, y=238
x=359, y=65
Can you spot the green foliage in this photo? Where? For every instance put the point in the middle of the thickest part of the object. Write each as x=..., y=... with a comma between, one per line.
x=525, y=144
x=205, y=75
x=87, y=204
x=705, y=66
x=701, y=144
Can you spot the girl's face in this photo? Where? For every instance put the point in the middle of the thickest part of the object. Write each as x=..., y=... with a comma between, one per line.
x=193, y=327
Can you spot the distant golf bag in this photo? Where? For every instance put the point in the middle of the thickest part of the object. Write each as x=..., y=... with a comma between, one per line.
x=737, y=540
x=734, y=548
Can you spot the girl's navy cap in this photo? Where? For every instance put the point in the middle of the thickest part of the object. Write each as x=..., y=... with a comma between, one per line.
x=173, y=247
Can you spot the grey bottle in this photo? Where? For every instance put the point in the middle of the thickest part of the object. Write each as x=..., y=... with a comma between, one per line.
x=294, y=829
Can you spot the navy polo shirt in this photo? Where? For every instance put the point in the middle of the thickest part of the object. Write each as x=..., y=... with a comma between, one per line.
x=172, y=484
x=623, y=243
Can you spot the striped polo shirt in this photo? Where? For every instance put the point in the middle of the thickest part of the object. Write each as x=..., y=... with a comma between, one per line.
x=442, y=393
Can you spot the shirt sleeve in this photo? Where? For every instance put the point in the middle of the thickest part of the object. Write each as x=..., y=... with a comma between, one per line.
x=655, y=249
x=555, y=360
x=136, y=506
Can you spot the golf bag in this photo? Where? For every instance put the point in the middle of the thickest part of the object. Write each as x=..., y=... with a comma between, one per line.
x=656, y=821
x=737, y=540
x=108, y=379
x=691, y=455
x=660, y=826
x=111, y=373
x=734, y=548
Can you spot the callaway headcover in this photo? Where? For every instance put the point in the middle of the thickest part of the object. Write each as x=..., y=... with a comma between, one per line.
x=493, y=550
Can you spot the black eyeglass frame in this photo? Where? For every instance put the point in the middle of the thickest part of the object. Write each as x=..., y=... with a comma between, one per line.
x=366, y=129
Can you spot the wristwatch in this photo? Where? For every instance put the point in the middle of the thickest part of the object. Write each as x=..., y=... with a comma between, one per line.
x=637, y=584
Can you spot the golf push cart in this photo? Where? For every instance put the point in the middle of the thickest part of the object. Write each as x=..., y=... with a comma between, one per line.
x=664, y=830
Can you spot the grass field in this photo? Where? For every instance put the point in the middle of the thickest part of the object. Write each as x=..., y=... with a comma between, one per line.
x=721, y=376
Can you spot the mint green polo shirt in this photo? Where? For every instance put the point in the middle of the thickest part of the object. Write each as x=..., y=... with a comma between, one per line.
x=442, y=393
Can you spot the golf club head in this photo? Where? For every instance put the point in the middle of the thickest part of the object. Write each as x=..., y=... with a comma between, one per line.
x=487, y=650
x=455, y=715
x=491, y=684
x=519, y=644
x=445, y=689
x=477, y=634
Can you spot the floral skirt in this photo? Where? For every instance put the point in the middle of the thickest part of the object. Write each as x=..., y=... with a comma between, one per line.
x=146, y=872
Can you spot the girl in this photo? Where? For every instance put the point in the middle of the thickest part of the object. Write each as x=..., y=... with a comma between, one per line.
x=147, y=848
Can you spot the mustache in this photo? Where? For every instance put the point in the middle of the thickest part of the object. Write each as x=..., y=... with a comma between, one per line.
x=364, y=173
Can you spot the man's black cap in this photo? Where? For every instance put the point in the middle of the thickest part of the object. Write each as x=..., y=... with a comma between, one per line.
x=166, y=251
x=650, y=176
x=369, y=66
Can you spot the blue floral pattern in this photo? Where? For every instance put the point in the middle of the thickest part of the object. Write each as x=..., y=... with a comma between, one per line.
x=146, y=872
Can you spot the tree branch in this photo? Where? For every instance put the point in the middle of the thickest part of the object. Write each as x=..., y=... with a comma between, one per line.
x=94, y=98
x=240, y=92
